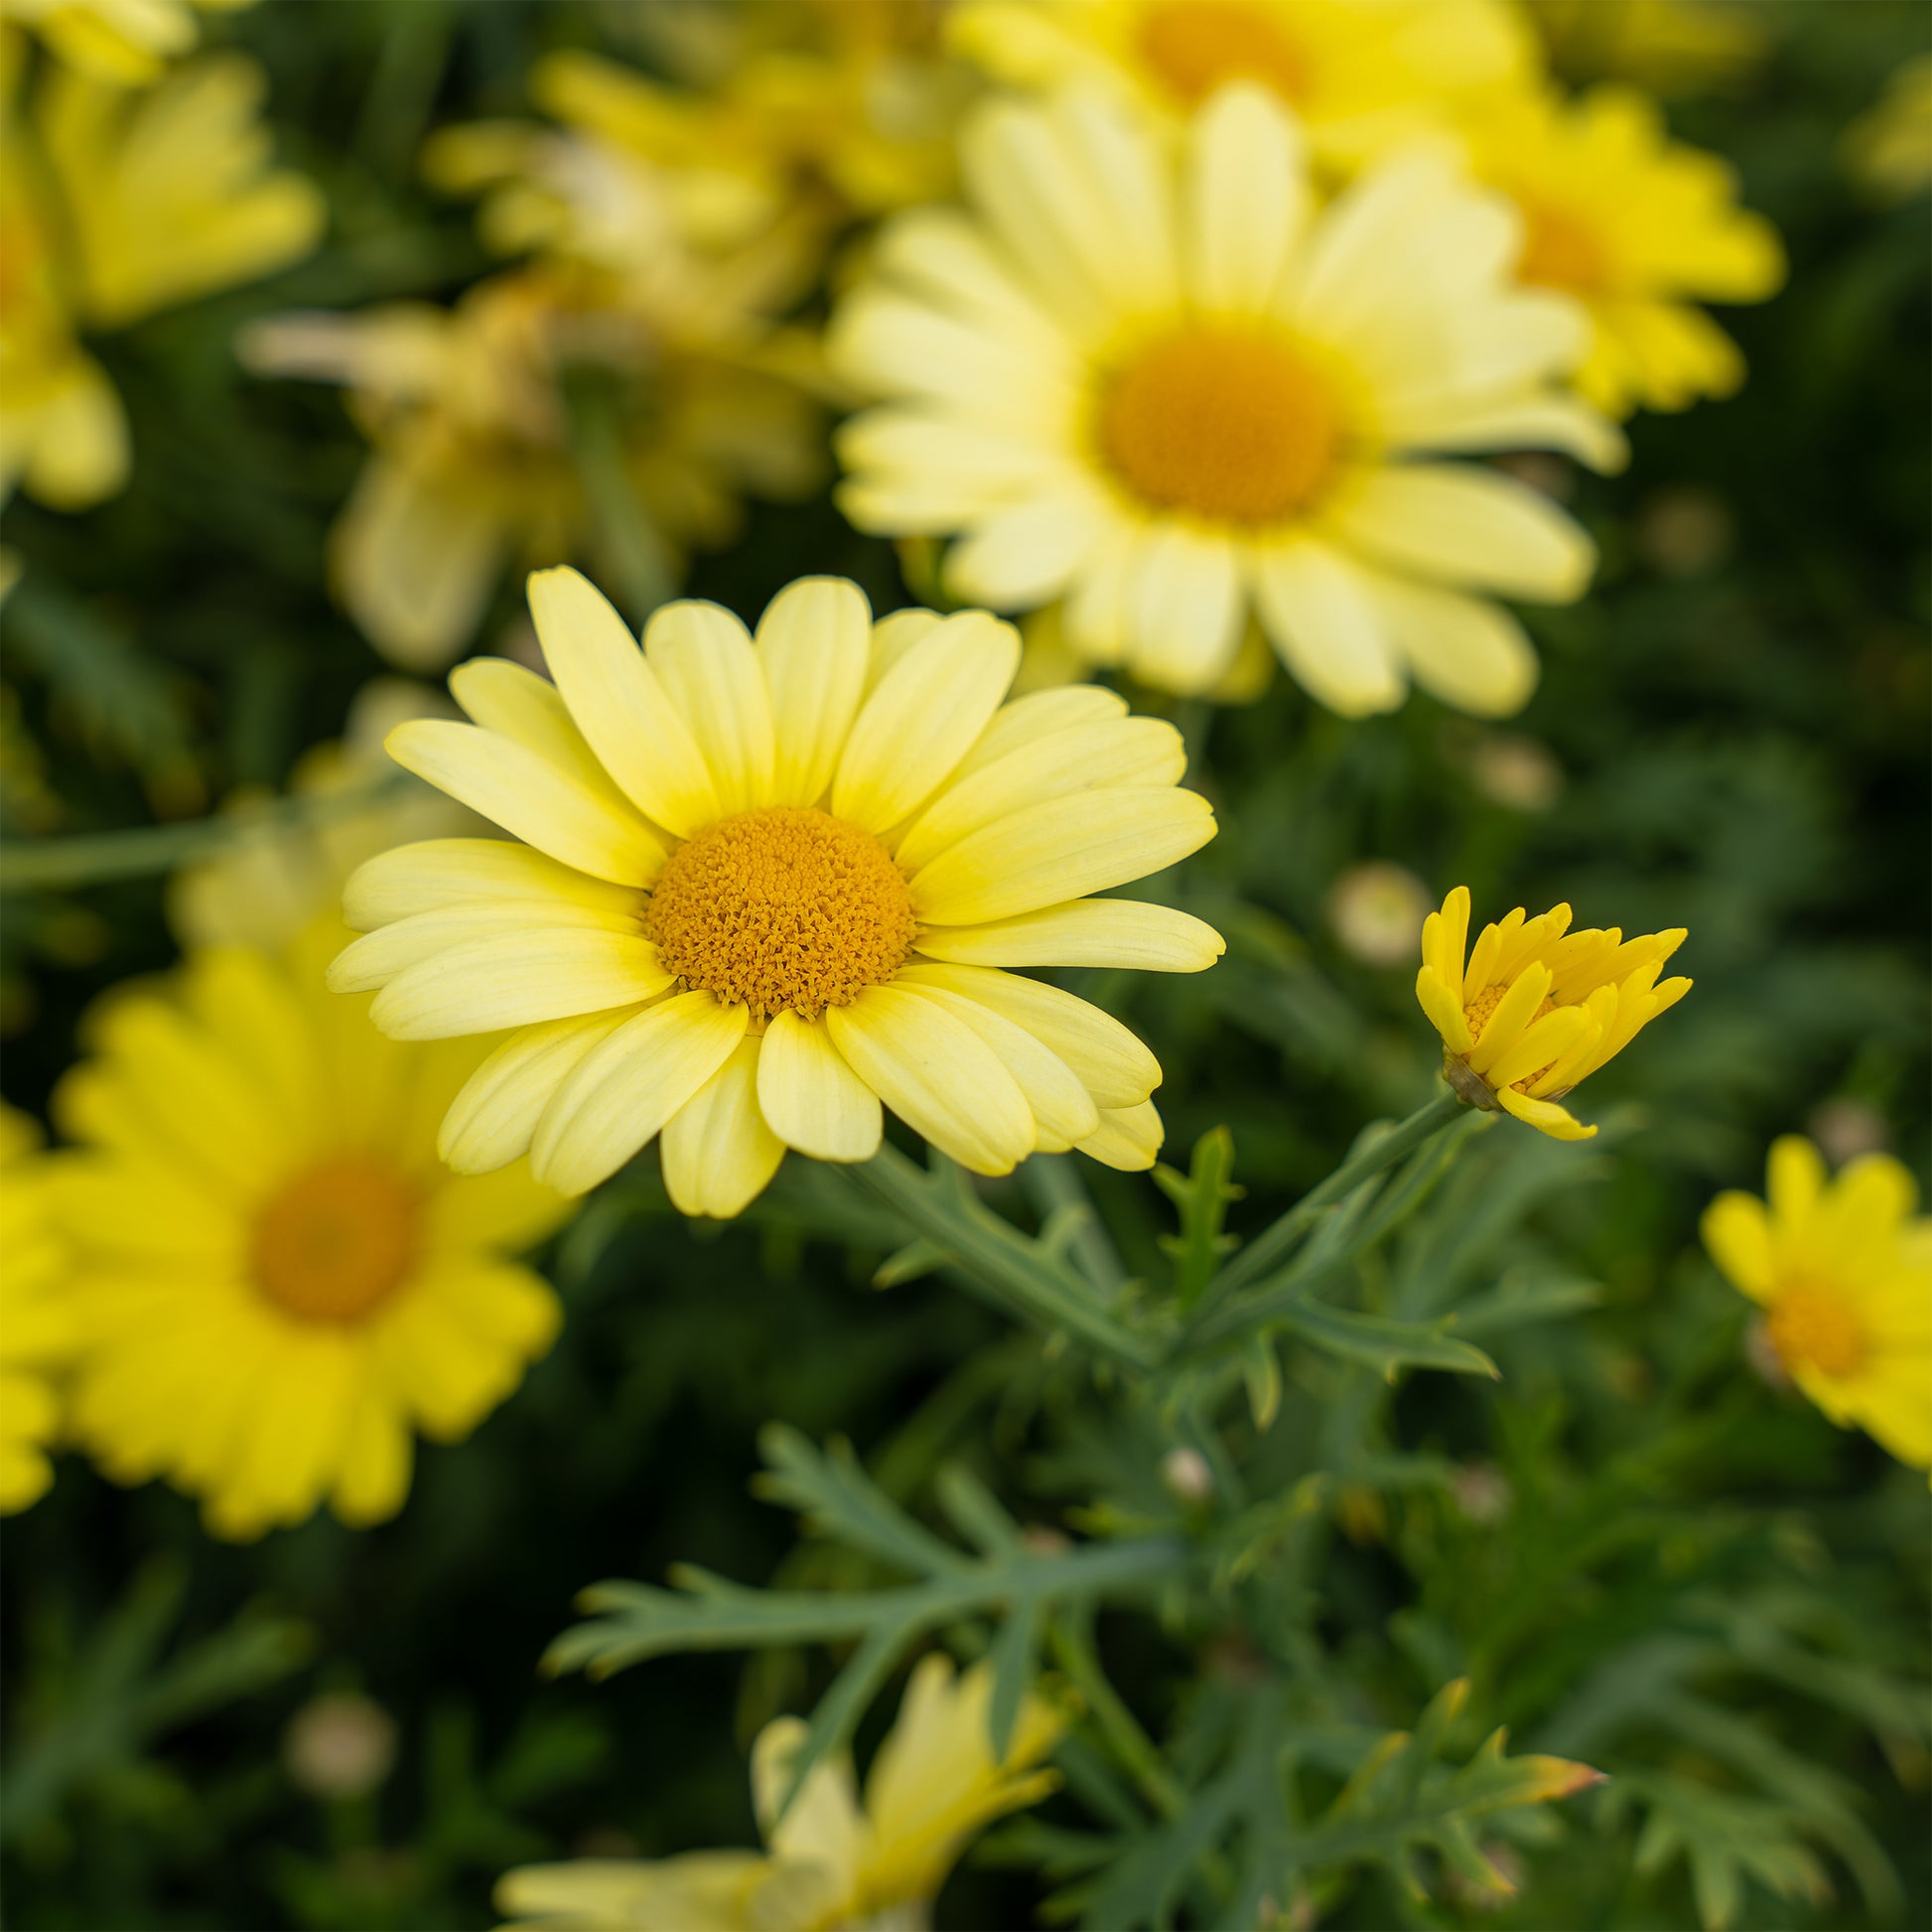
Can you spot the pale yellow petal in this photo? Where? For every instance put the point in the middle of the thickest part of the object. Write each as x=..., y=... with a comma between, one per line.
x=704, y=658
x=1127, y=1138
x=1464, y=650
x=378, y=957
x=815, y=643
x=1247, y=191
x=1040, y=715
x=718, y=1152
x=810, y=1098
x=436, y=872
x=482, y=986
x=1118, y=932
x=1318, y=617
x=1062, y=1105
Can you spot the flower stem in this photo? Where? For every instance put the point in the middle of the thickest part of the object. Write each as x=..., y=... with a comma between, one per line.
x=995, y=1259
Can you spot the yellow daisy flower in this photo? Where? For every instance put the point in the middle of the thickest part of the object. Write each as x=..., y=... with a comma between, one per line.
x=768, y=885
x=128, y=42
x=472, y=471
x=1638, y=229
x=122, y=204
x=1534, y=1008
x=1163, y=385
x=1842, y=1270
x=1359, y=74
x=830, y=1864
x=277, y=1280
x=38, y=1332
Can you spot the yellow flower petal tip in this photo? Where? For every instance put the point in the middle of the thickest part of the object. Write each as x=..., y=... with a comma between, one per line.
x=1840, y=1266
x=770, y=885
x=1533, y=1007
x=278, y=1286
x=1161, y=388
x=831, y=1860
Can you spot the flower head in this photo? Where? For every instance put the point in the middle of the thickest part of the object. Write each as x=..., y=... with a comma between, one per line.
x=277, y=1280
x=1842, y=1269
x=128, y=43
x=1639, y=230
x=829, y=1862
x=1358, y=72
x=1158, y=382
x=38, y=1332
x=1533, y=1007
x=768, y=885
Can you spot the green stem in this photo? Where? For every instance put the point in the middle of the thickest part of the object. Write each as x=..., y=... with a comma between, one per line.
x=1055, y=1186
x=51, y=865
x=1071, y=1637
x=995, y=1259
x=631, y=539
x=1274, y=1242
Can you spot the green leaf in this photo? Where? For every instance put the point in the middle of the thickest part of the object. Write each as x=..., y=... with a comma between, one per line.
x=1384, y=1345
x=1200, y=1198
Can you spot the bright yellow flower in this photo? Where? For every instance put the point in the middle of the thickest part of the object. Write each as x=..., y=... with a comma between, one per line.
x=1890, y=146
x=126, y=42
x=1674, y=46
x=38, y=1332
x=1358, y=74
x=1639, y=230
x=1842, y=1270
x=767, y=886
x=1536, y=1007
x=277, y=1280
x=829, y=1864
x=1161, y=383
x=118, y=206
x=473, y=471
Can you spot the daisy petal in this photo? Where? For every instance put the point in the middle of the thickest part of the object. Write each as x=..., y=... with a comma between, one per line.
x=704, y=659
x=1116, y=933
x=810, y=1098
x=814, y=642
x=718, y=1152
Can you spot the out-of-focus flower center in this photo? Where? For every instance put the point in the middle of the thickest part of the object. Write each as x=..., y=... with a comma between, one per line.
x=1197, y=46
x=337, y=1241
x=1227, y=421
x=781, y=910
x=1812, y=1327
x=1560, y=251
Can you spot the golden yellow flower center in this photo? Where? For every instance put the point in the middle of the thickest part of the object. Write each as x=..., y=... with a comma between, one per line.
x=1560, y=251
x=1196, y=45
x=1812, y=1327
x=1223, y=419
x=781, y=910
x=1481, y=1010
x=338, y=1240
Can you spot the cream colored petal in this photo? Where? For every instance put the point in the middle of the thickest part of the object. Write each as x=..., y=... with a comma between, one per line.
x=1457, y=423
x=482, y=986
x=1318, y=617
x=437, y=872
x=1737, y=1233
x=378, y=957
x=704, y=659
x=1116, y=933
x=1466, y=528
x=1116, y=1068
x=923, y=717
x=1117, y=754
x=628, y=1085
x=1127, y=1138
x=512, y=701
x=1098, y=614
x=1467, y=652
x=1039, y=714
x=526, y=794
x=1246, y=199
x=815, y=643
x=892, y=637
x=625, y=713
x=936, y=1074
x=718, y=1152
x=491, y=1121
x=1024, y=554
x=1064, y=848
x=811, y=1099
x=1062, y=1105
x=1184, y=608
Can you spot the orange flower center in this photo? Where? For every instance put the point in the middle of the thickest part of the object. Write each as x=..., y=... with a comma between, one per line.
x=1812, y=1327
x=1196, y=45
x=1560, y=251
x=1226, y=420
x=781, y=910
x=338, y=1241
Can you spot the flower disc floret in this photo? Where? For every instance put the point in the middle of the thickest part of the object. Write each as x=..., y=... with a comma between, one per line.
x=1533, y=1007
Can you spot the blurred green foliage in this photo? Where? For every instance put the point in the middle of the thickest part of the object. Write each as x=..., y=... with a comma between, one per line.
x=1634, y=1552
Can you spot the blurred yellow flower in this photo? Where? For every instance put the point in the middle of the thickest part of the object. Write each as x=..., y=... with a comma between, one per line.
x=473, y=471
x=37, y=1331
x=829, y=1864
x=1842, y=1270
x=1358, y=74
x=126, y=42
x=276, y=1279
x=1674, y=46
x=1160, y=382
x=769, y=886
x=117, y=205
x=1534, y=1008
x=1638, y=229
x=1889, y=147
